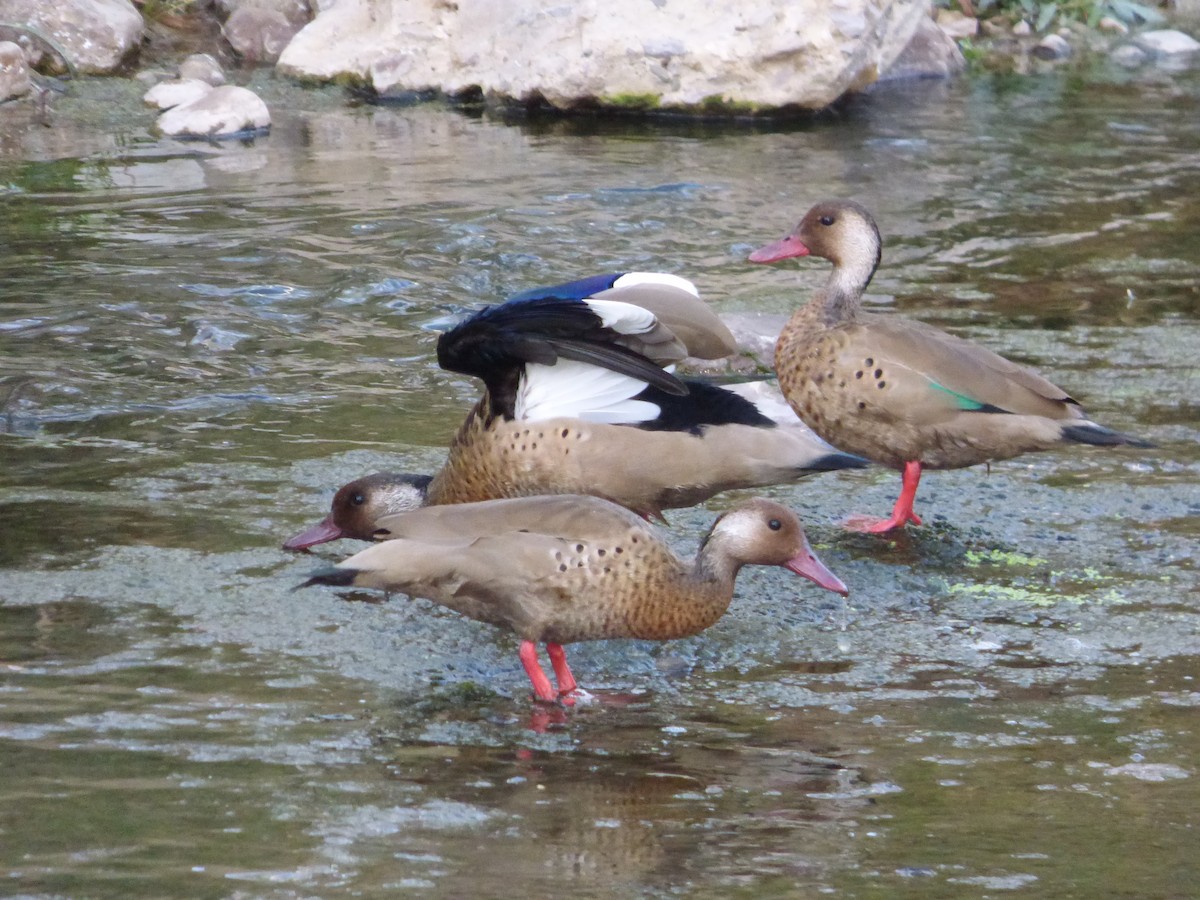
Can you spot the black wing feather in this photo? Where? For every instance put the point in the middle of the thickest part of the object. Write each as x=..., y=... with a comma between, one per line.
x=496, y=340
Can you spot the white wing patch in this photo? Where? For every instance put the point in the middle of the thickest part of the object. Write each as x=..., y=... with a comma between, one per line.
x=578, y=390
x=623, y=318
x=632, y=279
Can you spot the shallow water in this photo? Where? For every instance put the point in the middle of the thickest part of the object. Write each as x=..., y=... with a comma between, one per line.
x=198, y=342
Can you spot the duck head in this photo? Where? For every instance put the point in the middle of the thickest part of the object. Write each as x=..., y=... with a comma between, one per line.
x=840, y=231
x=763, y=532
x=359, y=505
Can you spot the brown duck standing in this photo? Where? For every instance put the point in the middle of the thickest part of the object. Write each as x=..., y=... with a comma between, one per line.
x=902, y=393
x=577, y=401
x=568, y=568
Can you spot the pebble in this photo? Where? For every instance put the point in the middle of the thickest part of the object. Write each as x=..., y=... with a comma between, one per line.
x=1052, y=46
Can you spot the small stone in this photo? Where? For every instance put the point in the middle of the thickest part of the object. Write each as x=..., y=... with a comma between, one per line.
x=1129, y=56
x=14, y=72
x=1053, y=47
x=222, y=112
x=1022, y=29
x=168, y=94
x=1167, y=42
x=1112, y=24
x=956, y=24
x=202, y=67
x=993, y=27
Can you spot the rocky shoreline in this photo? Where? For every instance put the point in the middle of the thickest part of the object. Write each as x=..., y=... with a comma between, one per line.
x=785, y=58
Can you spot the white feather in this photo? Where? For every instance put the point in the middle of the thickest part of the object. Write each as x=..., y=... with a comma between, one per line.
x=769, y=400
x=623, y=318
x=579, y=390
x=631, y=279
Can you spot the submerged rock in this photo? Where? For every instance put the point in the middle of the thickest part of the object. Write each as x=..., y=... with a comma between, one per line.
x=14, y=72
x=95, y=35
x=222, y=112
x=705, y=58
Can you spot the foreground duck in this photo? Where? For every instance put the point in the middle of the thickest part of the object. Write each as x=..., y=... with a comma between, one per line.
x=902, y=393
x=568, y=568
x=577, y=400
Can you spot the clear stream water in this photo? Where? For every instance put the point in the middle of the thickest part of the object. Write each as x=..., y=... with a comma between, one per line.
x=199, y=342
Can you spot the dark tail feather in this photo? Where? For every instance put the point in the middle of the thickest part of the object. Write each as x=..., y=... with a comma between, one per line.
x=835, y=461
x=1101, y=436
x=334, y=576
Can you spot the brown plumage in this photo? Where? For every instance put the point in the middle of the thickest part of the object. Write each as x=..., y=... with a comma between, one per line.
x=574, y=406
x=902, y=393
x=568, y=568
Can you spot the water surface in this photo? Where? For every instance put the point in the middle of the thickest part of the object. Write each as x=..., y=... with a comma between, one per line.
x=198, y=342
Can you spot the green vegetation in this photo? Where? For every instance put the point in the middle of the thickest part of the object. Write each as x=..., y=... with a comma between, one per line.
x=632, y=101
x=1042, y=14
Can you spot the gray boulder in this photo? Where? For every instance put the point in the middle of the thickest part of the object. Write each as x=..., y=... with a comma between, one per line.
x=95, y=35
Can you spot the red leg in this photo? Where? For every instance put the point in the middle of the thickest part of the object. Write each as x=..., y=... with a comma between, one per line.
x=562, y=674
x=541, y=684
x=902, y=512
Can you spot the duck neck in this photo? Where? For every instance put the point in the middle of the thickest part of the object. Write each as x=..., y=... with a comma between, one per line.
x=713, y=574
x=839, y=299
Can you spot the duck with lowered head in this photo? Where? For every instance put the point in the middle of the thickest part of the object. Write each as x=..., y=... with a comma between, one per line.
x=567, y=568
x=902, y=393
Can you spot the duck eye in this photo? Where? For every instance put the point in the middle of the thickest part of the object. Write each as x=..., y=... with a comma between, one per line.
x=381, y=534
x=774, y=524
x=826, y=220
x=357, y=499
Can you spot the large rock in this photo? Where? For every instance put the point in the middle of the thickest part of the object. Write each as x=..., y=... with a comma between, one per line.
x=717, y=56
x=95, y=35
x=14, y=72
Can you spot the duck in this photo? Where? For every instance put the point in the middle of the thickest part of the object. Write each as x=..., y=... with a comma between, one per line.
x=901, y=393
x=580, y=397
x=565, y=568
